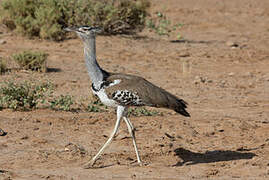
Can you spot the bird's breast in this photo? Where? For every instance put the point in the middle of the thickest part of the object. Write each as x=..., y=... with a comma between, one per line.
x=104, y=98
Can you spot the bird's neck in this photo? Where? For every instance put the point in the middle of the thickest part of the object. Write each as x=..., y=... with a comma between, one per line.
x=94, y=70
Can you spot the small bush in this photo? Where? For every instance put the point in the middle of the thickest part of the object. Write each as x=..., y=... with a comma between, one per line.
x=93, y=108
x=35, y=61
x=3, y=66
x=22, y=96
x=62, y=102
x=161, y=25
x=46, y=18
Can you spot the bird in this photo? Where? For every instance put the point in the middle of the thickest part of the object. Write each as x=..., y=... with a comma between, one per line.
x=120, y=91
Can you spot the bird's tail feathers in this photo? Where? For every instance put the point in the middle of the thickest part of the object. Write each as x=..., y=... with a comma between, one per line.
x=180, y=107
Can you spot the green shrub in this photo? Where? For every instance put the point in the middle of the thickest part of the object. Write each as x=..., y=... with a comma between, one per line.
x=46, y=18
x=94, y=108
x=22, y=96
x=35, y=61
x=3, y=66
x=161, y=25
x=62, y=102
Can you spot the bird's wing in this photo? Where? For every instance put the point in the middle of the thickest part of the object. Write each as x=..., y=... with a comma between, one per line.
x=136, y=91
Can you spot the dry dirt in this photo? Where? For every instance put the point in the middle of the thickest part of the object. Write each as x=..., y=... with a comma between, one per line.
x=221, y=69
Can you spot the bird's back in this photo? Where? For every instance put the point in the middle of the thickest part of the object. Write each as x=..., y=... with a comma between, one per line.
x=137, y=91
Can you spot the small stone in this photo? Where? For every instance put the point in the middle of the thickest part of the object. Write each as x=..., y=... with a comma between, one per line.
x=3, y=41
x=203, y=80
x=24, y=137
x=232, y=44
x=129, y=159
x=2, y=132
x=36, y=128
x=199, y=79
x=212, y=133
x=231, y=74
x=184, y=54
x=209, y=81
x=251, y=84
x=222, y=83
x=169, y=136
x=73, y=80
x=265, y=121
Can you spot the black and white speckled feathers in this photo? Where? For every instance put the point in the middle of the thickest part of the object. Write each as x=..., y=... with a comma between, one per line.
x=122, y=97
x=127, y=98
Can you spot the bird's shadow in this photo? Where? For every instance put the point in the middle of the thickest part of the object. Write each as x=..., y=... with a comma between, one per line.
x=191, y=158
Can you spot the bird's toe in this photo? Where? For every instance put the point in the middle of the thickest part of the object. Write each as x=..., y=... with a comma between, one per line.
x=89, y=165
x=141, y=164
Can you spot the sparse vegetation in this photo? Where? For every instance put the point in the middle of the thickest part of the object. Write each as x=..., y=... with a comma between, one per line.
x=28, y=60
x=3, y=66
x=62, y=102
x=142, y=111
x=45, y=19
x=22, y=96
x=161, y=25
x=96, y=106
x=28, y=95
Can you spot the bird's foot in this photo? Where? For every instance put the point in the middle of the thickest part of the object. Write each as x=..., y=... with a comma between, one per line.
x=141, y=164
x=89, y=164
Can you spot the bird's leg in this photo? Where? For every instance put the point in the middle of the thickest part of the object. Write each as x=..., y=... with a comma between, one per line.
x=131, y=131
x=120, y=111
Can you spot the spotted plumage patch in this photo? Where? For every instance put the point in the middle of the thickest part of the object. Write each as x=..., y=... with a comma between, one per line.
x=127, y=98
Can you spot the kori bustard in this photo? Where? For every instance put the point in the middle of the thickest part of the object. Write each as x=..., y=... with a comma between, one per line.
x=122, y=90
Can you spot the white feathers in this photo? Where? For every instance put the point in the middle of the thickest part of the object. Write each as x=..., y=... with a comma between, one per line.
x=116, y=81
x=103, y=96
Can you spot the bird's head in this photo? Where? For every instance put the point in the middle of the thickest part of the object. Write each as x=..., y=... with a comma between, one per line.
x=84, y=32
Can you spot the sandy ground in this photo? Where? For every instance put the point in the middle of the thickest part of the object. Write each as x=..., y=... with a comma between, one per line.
x=221, y=69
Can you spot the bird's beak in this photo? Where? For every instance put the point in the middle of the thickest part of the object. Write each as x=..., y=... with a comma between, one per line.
x=70, y=29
